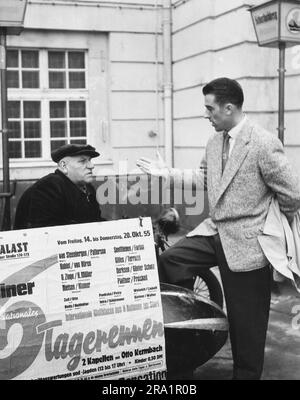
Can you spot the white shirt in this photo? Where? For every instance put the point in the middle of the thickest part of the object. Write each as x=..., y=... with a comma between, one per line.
x=234, y=132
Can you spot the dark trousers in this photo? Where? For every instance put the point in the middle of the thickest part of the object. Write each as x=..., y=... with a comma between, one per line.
x=247, y=296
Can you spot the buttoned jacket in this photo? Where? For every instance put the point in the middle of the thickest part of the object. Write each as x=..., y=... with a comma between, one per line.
x=239, y=199
x=56, y=200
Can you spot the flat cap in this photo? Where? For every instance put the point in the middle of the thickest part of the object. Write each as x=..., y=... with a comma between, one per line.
x=70, y=150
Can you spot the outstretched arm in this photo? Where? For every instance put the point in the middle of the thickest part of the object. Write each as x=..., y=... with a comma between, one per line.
x=158, y=167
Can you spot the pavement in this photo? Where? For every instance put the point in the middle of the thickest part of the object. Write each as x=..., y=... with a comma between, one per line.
x=282, y=351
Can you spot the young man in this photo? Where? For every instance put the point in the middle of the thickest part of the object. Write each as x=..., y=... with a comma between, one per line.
x=244, y=167
x=65, y=196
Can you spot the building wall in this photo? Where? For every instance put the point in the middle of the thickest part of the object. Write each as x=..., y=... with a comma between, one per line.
x=123, y=44
x=213, y=38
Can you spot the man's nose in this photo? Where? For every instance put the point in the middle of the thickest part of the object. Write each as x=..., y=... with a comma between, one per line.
x=90, y=165
x=205, y=114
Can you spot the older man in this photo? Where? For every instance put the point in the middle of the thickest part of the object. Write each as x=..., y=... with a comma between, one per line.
x=65, y=196
x=245, y=167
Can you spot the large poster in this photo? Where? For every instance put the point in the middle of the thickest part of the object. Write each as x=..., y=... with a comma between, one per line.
x=81, y=302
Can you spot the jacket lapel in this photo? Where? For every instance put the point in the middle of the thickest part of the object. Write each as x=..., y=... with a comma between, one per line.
x=216, y=166
x=235, y=160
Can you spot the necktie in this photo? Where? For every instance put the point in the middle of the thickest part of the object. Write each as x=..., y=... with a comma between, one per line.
x=225, y=152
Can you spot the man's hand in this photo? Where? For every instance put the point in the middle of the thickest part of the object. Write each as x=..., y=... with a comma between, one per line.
x=154, y=167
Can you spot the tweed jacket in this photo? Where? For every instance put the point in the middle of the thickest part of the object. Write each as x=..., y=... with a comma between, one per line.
x=56, y=200
x=239, y=199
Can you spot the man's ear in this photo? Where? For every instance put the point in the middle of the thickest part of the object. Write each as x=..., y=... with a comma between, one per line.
x=229, y=108
x=63, y=166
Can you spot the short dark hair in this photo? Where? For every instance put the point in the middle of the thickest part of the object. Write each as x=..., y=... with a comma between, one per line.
x=226, y=91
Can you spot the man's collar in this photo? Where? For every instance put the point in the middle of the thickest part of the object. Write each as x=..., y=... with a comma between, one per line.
x=233, y=132
x=84, y=188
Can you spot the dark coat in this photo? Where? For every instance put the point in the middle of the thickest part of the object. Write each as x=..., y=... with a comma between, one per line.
x=56, y=200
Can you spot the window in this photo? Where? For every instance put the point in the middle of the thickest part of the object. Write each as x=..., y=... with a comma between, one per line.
x=24, y=126
x=45, y=110
x=67, y=123
x=23, y=69
x=66, y=70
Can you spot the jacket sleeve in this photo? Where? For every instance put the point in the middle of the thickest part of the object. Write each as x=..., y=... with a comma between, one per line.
x=279, y=176
x=46, y=206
